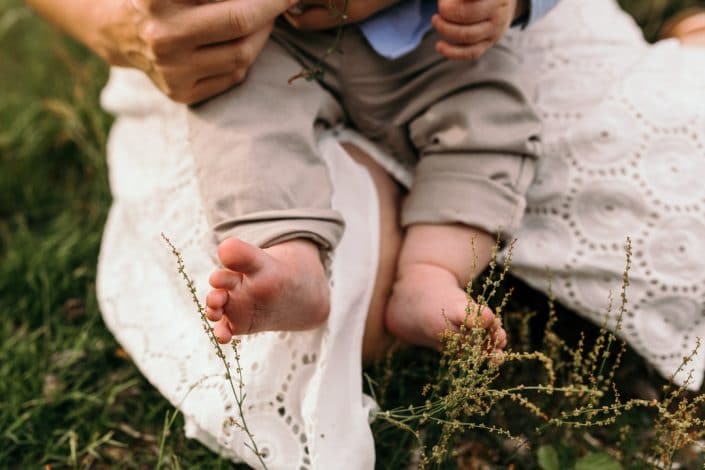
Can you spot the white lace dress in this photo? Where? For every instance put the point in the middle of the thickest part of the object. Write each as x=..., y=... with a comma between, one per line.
x=304, y=400
x=624, y=156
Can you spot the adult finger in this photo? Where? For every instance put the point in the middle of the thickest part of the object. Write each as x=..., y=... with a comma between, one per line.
x=231, y=19
x=466, y=12
x=214, y=69
x=463, y=34
x=151, y=6
x=232, y=56
x=208, y=87
x=462, y=52
x=223, y=58
x=315, y=18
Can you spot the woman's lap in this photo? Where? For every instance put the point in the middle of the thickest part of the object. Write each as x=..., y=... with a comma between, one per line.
x=291, y=378
x=602, y=179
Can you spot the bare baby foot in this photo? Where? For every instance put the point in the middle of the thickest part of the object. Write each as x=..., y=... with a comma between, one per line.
x=426, y=301
x=281, y=288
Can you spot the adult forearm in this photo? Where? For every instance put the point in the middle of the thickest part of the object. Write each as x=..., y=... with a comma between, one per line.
x=84, y=20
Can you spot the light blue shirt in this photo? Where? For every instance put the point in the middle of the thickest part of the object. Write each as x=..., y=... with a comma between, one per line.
x=398, y=30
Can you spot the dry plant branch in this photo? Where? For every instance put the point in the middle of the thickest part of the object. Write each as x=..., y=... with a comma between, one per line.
x=316, y=72
x=238, y=391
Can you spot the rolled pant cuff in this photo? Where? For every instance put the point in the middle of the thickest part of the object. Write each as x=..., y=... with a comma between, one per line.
x=463, y=199
x=266, y=230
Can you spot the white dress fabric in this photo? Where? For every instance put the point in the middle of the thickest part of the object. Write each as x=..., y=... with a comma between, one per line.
x=304, y=400
x=624, y=156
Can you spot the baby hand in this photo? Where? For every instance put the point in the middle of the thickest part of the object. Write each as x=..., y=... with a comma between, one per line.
x=471, y=27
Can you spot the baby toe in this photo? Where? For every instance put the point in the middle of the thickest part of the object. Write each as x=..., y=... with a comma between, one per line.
x=222, y=331
x=497, y=357
x=214, y=314
x=224, y=279
x=481, y=317
x=216, y=299
x=500, y=339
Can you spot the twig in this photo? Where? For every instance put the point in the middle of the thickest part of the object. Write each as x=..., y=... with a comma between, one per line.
x=238, y=394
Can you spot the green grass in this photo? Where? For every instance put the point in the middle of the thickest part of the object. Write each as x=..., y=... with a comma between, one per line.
x=69, y=397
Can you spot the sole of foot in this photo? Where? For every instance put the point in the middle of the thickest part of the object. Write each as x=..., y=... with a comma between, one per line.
x=280, y=288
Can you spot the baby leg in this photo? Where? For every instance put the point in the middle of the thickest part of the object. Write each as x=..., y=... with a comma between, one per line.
x=377, y=339
x=477, y=147
x=267, y=197
x=257, y=287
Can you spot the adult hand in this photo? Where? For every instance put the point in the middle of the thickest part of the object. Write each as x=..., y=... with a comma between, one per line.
x=471, y=27
x=321, y=14
x=191, y=49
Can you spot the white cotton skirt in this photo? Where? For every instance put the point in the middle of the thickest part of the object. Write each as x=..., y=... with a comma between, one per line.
x=624, y=156
x=304, y=400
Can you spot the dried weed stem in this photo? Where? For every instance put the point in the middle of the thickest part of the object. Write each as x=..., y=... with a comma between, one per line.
x=238, y=391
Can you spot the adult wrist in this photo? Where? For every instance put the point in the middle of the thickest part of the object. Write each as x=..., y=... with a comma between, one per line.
x=113, y=24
